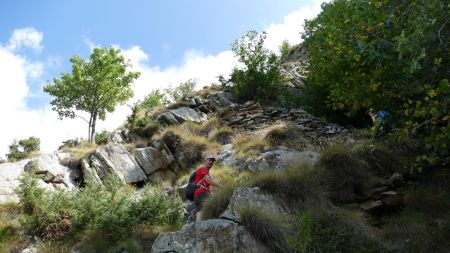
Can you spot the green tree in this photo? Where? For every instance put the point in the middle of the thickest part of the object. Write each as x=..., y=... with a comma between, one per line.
x=154, y=99
x=285, y=48
x=260, y=77
x=384, y=54
x=95, y=86
x=179, y=92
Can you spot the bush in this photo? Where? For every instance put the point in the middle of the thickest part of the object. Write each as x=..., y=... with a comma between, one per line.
x=23, y=149
x=102, y=137
x=261, y=76
x=385, y=55
x=324, y=231
x=109, y=209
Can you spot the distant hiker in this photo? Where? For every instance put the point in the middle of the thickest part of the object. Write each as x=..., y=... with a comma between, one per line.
x=204, y=181
x=381, y=120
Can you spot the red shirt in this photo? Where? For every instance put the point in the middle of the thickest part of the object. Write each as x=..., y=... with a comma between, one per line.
x=201, y=173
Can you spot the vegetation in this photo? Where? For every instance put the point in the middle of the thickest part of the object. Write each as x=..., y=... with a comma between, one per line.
x=261, y=77
x=248, y=146
x=95, y=86
x=265, y=227
x=108, y=209
x=386, y=55
x=23, y=149
x=334, y=231
x=102, y=137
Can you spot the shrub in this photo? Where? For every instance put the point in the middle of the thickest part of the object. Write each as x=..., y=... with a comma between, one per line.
x=261, y=76
x=11, y=239
x=23, y=149
x=102, y=137
x=324, y=231
x=69, y=144
x=387, y=56
x=109, y=209
x=265, y=227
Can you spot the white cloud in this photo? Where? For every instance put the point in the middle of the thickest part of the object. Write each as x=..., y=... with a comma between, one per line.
x=292, y=26
x=20, y=122
x=26, y=37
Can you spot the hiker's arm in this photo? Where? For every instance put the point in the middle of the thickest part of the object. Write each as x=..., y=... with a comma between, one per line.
x=210, y=181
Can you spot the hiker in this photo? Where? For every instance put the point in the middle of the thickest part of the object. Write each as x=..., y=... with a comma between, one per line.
x=381, y=120
x=205, y=181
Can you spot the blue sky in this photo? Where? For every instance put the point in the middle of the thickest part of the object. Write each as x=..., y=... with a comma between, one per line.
x=167, y=41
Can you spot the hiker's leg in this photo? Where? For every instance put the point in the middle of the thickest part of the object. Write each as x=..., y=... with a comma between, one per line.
x=199, y=204
x=199, y=216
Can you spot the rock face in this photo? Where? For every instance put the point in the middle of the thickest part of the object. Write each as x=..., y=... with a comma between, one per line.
x=54, y=175
x=113, y=159
x=180, y=115
x=277, y=158
x=9, y=180
x=215, y=235
x=152, y=159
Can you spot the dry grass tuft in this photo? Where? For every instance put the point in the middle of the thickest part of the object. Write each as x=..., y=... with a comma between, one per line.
x=286, y=136
x=346, y=175
x=222, y=135
x=265, y=227
x=299, y=185
x=246, y=146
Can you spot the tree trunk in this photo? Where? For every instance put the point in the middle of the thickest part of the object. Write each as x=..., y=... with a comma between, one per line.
x=94, y=121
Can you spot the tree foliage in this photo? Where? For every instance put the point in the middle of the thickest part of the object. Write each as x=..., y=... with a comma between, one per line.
x=95, y=86
x=384, y=54
x=260, y=77
x=23, y=148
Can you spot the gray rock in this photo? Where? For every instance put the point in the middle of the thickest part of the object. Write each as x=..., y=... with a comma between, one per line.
x=215, y=235
x=113, y=159
x=254, y=196
x=281, y=158
x=9, y=180
x=180, y=115
x=152, y=159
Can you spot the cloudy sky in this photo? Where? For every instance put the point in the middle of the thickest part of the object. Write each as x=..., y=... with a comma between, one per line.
x=167, y=41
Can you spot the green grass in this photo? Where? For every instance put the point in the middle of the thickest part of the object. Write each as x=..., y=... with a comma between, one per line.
x=300, y=185
x=330, y=231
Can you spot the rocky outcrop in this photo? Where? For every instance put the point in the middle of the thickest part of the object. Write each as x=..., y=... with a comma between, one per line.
x=180, y=115
x=277, y=158
x=217, y=235
x=113, y=159
x=53, y=175
x=294, y=66
x=152, y=159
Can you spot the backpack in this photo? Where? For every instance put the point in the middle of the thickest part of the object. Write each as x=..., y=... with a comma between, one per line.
x=191, y=187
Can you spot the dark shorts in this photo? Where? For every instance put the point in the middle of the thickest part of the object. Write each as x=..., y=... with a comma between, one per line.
x=200, y=199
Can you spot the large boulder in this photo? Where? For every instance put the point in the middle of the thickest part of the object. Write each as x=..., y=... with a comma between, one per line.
x=48, y=165
x=215, y=235
x=281, y=158
x=113, y=159
x=180, y=115
x=9, y=180
x=255, y=197
x=277, y=158
x=152, y=159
